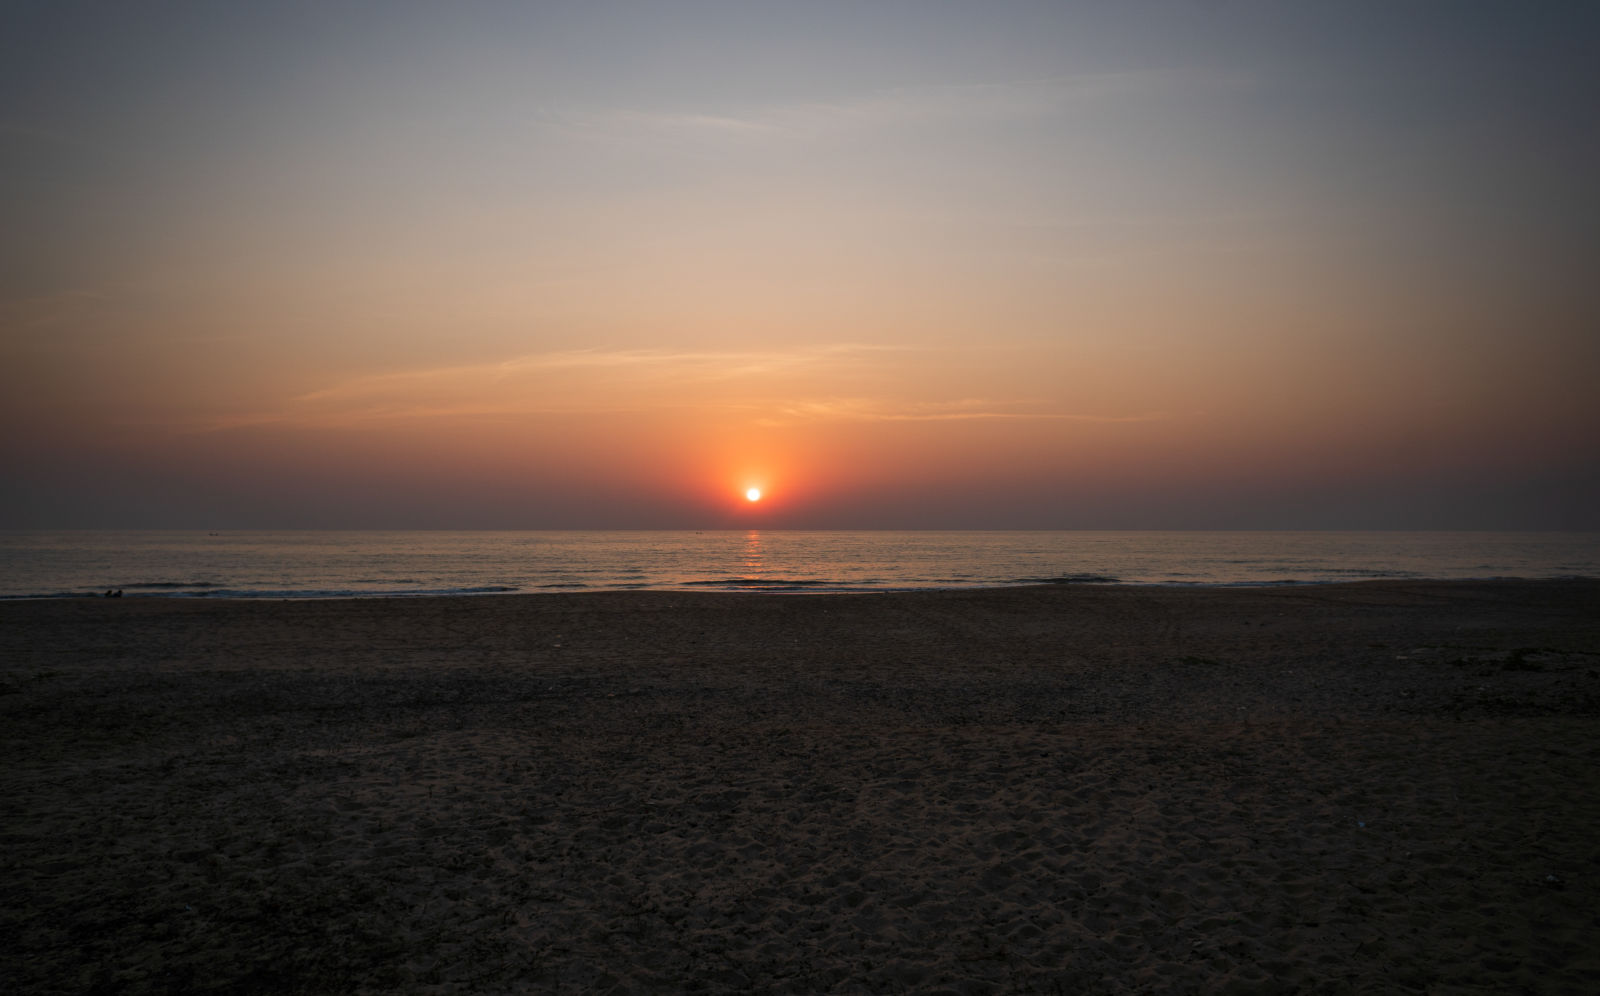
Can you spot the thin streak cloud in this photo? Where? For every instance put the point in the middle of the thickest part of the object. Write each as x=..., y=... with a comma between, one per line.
x=969, y=409
x=676, y=366
x=587, y=381
x=891, y=108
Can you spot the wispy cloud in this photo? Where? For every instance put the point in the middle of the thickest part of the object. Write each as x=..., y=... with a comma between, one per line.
x=48, y=311
x=885, y=109
x=561, y=382
x=637, y=364
x=764, y=387
x=966, y=409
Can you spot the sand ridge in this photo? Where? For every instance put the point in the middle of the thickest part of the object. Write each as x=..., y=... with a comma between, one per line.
x=1369, y=787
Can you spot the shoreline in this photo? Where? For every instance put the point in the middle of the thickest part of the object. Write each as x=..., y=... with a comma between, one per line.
x=1109, y=788
x=780, y=587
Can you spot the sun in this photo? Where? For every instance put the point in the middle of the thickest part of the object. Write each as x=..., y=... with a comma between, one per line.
x=754, y=494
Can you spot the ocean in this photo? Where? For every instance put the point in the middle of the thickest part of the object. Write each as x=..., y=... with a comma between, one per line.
x=53, y=564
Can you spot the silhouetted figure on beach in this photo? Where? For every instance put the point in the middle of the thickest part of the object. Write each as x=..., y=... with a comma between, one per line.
x=113, y=594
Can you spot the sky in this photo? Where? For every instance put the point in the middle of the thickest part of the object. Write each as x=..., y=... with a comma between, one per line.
x=1171, y=265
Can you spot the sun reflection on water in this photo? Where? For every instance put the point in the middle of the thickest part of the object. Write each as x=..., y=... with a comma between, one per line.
x=752, y=553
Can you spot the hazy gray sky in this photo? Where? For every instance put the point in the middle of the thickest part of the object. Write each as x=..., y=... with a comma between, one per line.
x=1181, y=265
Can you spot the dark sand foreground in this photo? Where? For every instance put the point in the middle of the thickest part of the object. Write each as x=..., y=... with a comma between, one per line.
x=1379, y=787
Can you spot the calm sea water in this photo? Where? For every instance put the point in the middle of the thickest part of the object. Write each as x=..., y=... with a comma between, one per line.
x=336, y=564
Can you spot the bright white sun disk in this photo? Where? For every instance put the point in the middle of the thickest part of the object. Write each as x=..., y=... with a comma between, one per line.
x=754, y=494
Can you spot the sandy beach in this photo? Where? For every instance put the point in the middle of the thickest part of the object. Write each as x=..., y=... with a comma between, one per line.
x=1373, y=787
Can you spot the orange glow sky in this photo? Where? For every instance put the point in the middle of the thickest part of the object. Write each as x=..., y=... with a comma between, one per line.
x=1176, y=265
